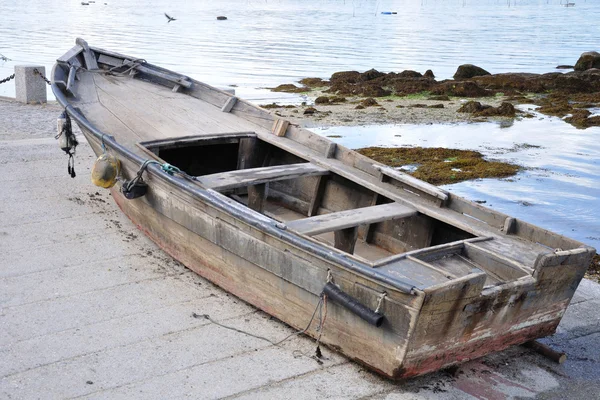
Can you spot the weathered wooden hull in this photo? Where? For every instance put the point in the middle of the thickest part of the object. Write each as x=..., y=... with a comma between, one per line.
x=478, y=294
x=473, y=323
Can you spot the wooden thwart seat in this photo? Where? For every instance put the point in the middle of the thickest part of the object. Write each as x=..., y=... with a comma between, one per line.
x=350, y=218
x=257, y=176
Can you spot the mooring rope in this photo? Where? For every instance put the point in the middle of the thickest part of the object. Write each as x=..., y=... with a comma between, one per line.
x=318, y=309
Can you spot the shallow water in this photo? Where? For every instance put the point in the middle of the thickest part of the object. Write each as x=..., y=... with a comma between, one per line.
x=264, y=43
x=559, y=189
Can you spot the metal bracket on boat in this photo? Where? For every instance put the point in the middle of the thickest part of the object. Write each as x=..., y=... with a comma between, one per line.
x=336, y=295
x=134, y=188
x=137, y=187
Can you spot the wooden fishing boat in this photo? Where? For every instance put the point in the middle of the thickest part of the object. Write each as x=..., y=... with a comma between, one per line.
x=415, y=278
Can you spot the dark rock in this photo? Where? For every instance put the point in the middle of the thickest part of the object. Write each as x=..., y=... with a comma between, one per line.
x=461, y=89
x=289, y=88
x=418, y=105
x=406, y=86
x=575, y=83
x=314, y=82
x=505, y=110
x=429, y=74
x=337, y=99
x=467, y=71
x=580, y=119
x=221, y=18
x=564, y=67
x=471, y=107
x=518, y=81
x=373, y=91
x=436, y=106
x=310, y=111
x=590, y=59
x=484, y=110
x=409, y=74
x=442, y=97
x=369, y=102
x=359, y=107
x=364, y=89
x=345, y=77
x=371, y=74
x=322, y=100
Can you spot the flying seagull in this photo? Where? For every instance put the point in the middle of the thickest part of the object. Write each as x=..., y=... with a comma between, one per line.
x=169, y=18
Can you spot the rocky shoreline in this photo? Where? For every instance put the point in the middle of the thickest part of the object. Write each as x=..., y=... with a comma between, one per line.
x=374, y=97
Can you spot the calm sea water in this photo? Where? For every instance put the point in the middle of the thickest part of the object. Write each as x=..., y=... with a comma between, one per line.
x=265, y=43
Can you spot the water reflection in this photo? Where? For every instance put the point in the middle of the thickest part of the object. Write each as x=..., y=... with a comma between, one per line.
x=559, y=189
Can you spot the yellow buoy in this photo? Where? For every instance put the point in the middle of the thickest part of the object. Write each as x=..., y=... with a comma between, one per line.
x=105, y=171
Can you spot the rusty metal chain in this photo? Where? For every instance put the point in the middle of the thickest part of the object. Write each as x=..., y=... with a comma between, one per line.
x=37, y=72
x=7, y=79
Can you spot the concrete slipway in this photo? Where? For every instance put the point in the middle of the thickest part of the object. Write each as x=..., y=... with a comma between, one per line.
x=90, y=308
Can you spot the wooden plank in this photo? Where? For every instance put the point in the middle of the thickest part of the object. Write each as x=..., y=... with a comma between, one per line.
x=413, y=182
x=495, y=263
x=309, y=140
x=257, y=197
x=110, y=61
x=253, y=114
x=65, y=58
x=490, y=217
x=280, y=127
x=88, y=55
x=345, y=239
x=178, y=79
x=509, y=225
x=413, y=271
x=71, y=79
x=448, y=274
x=59, y=76
x=350, y=218
x=229, y=104
x=516, y=250
x=184, y=141
x=455, y=264
x=255, y=176
x=143, y=103
x=315, y=200
x=158, y=103
x=331, y=149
